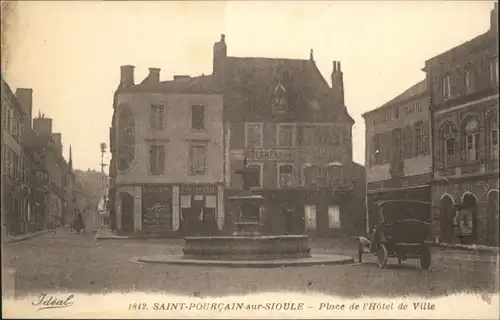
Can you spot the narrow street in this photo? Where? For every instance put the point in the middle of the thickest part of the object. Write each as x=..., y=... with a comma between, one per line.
x=75, y=263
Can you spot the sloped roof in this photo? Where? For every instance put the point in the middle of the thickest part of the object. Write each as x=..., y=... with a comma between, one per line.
x=252, y=81
x=188, y=85
x=414, y=91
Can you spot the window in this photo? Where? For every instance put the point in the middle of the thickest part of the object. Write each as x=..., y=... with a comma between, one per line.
x=310, y=213
x=285, y=179
x=334, y=174
x=156, y=159
x=254, y=136
x=450, y=147
x=312, y=176
x=376, y=149
x=494, y=70
x=396, y=112
x=468, y=82
x=396, y=143
x=448, y=142
x=198, y=117
x=494, y=143
x=446, y=87
x=418, y=138
x=197, y=159
x=286, y=135
x=333, y=217
x=157, y=117
x=408, y=149
x=255, y=176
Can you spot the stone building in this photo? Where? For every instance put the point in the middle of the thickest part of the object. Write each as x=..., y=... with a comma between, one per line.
x=398, y=157
x=15, y=189
x=463, y=83
x=167, y=155
x=294, y=131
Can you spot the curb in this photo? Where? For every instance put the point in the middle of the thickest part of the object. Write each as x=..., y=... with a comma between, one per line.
x=178, y=260
x=465, y=247
x=28, y=236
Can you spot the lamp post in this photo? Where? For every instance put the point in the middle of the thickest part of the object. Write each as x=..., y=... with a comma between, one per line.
x=103, y=147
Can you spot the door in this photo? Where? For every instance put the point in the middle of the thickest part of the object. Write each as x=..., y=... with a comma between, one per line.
x=310, y=218
x=127, y=212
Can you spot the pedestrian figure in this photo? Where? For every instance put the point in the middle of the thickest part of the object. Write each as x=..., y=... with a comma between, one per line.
x=78, y=224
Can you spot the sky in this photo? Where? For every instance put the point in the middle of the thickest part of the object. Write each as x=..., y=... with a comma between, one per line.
x=70, y=53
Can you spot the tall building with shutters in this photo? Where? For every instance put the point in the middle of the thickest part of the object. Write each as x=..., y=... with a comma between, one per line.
x=463, y=84
x=167, y=155
x=295, y=132
x=398, y=157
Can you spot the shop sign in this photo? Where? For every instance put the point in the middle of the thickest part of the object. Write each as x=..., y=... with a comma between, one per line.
x=198, y=189
x=155, y=189
x=270, y=155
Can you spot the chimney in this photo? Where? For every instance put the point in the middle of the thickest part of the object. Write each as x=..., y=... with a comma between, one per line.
x=127, y=76
x=25, y=98
x=494, y=18
x=311, y=55
x=42, y=126
x=338, y=83
x=154, y=75
x=58, y=142
x=220, y=54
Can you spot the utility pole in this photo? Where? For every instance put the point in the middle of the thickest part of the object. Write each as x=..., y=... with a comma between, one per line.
x=104, y=178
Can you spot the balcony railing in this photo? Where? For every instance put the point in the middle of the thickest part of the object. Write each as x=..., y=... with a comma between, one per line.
x=467, y=168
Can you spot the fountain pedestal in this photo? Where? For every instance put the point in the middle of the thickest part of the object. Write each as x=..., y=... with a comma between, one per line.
x=247, y=243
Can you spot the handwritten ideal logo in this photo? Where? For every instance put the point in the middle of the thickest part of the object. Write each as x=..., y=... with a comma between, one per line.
x=51, y=302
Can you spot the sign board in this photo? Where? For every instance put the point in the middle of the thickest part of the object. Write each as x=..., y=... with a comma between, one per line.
x=270, y=155
x=198, y=189
x=155, y=189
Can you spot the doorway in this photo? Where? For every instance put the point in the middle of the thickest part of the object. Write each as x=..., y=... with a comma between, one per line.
x=493, y=217
x=446, y=214
x=127, y=212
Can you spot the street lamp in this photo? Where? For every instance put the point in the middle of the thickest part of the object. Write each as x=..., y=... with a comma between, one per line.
x=103, y=147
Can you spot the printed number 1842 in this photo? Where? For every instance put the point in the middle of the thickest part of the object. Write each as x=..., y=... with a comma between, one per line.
x=137, y=306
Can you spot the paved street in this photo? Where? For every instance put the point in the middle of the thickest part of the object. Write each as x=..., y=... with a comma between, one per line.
x=67, y=262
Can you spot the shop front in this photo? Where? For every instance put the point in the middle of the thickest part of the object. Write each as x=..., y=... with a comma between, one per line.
x=157, y=208
x=199, y=208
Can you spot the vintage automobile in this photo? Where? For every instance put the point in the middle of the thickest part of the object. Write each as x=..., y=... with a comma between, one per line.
x=402, y=230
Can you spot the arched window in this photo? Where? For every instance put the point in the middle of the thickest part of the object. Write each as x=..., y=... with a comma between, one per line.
x=447, y=135
x=472, y=139
x=492, y=135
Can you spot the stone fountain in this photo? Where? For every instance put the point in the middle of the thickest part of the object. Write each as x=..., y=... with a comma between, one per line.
x=247, y=243
x=247, y=247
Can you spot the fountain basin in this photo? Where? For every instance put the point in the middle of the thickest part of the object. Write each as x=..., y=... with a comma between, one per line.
x=247, y=247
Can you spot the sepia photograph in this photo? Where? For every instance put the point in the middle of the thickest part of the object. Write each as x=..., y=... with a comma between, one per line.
x=250, y=159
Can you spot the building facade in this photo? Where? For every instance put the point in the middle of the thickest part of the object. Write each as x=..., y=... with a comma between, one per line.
x=167, y=155
x=294, y=131
x=463, y=85
x=398, y=154
x=14, y=181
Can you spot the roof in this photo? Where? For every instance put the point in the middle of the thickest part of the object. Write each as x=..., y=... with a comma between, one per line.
x=8, y=94
x=412, y=92
x=187, y=85
x=252, y=82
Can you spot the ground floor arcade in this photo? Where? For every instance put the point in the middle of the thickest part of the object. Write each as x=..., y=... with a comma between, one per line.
x=466, y=210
